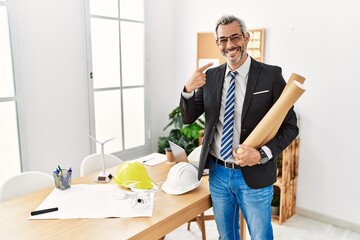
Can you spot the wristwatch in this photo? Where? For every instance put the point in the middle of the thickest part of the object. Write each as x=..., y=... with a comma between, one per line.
x=263, y=157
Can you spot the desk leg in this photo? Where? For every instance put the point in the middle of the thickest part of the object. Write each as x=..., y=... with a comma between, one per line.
x=242, y=227
x=201, y=223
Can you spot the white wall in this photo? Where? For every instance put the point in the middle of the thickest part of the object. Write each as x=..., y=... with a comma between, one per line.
x=162, y=97
x=316, y=39
x=50, y=67
x=319, y=40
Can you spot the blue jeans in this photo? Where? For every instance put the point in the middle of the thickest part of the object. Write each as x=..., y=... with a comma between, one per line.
x=229, y=192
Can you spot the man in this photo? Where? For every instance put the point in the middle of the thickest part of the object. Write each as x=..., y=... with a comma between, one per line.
x=235, y=97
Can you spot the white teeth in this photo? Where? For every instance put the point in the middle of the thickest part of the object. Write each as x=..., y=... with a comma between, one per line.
x=232, y=51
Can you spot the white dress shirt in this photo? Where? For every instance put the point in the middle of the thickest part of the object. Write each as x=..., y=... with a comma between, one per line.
x=241, y=79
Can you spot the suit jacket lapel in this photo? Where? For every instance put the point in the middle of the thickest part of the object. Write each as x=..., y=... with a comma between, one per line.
x=252, y=80
x=220, y=76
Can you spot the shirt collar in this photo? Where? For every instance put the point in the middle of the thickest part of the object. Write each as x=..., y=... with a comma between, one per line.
x=243, y=70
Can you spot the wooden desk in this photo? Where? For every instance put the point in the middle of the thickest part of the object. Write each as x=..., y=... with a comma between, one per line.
x=169, y=213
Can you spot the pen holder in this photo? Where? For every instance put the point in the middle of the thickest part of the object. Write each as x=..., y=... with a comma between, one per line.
x=62, y=179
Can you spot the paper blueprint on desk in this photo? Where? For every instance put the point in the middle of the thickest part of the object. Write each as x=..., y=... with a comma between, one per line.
x=96, y=201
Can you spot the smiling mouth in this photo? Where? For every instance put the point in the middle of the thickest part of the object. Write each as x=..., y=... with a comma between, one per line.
x=232, y=50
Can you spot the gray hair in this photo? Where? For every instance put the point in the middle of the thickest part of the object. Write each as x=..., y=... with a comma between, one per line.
x=227, y=19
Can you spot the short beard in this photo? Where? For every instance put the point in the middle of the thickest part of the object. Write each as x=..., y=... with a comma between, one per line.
x=237, y=59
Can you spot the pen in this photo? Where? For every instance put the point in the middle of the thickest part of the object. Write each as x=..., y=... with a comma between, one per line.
x=60, y=170
x=37, y=212
x=147, y=160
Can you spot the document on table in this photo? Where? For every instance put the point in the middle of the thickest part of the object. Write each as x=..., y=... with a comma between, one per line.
x=152, y=159
x=96, y=201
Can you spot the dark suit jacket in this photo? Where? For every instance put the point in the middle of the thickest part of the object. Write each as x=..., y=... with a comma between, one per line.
x=207, y=100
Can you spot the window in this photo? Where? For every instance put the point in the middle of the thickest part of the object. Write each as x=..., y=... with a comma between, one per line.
x=116, y=53
x=9, y=137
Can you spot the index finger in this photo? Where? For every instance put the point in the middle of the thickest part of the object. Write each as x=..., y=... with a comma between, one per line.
x=201, y=69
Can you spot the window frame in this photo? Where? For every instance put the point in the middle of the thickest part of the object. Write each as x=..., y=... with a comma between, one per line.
x=16, y=99
x=124, y=153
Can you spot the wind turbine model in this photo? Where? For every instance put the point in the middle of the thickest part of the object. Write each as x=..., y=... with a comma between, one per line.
x=103, y=176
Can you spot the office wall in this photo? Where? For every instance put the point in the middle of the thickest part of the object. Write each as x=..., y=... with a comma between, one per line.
x=319, y=40
x=163, y=96
x=50, y=69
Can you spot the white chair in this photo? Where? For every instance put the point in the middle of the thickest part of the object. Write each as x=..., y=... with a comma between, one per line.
x=92, y=163
x=194, y=156
x=24, y=183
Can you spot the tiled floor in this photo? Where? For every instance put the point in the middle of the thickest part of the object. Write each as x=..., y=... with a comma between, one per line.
x=295, y=228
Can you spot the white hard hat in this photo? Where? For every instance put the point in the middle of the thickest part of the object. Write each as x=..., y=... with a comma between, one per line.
x=182, y=178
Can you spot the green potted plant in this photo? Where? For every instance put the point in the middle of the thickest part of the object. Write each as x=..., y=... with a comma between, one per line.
x=184, y=135
x=275, y=202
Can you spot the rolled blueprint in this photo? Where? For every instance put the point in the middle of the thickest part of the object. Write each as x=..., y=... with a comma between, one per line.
x=271, y=122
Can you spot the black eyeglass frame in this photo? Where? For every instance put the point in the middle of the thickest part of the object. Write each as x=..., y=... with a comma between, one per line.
x=235, y=38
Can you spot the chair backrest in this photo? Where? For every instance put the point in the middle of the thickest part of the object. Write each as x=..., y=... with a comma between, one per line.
x=92, y=163
x=194, y=156
x=24, y=183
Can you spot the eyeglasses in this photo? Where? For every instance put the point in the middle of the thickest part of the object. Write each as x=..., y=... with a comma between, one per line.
x=234, y=38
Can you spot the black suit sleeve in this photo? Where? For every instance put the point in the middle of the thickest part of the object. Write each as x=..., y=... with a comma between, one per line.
x=192, y=108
